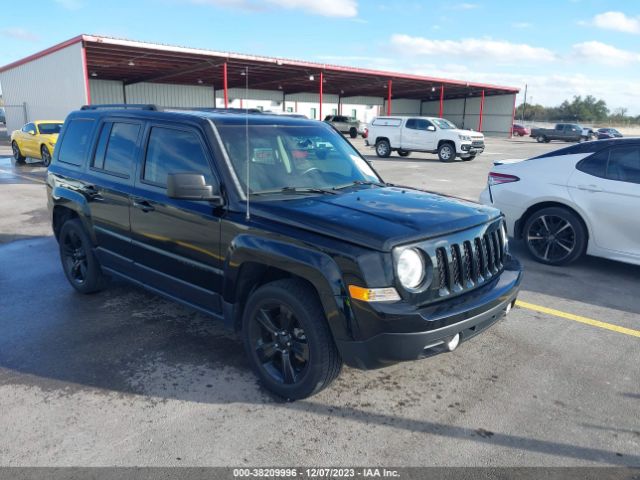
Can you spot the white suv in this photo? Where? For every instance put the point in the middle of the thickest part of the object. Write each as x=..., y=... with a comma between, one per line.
x=423, y=134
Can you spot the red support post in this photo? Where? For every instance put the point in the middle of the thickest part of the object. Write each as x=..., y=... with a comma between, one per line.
x=389, y=85
x=513, y=116
x=85, y=67
x=481, y=112
x=321, y=86
x=441, y=100
x=225, y=82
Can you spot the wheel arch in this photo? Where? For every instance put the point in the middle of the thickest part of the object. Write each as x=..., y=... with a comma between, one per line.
x=68, y=204
x=519, y=224
x=447, y=140
x=380, y=138
x=255, y=261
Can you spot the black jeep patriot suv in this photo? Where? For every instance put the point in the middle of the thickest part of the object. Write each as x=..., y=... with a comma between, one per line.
x=281, y=229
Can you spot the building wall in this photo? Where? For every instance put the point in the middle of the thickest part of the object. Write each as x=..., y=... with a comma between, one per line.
x=106, y=91
x=50, y=86
x=402, y=106
x=497, y=113
x=168, y=95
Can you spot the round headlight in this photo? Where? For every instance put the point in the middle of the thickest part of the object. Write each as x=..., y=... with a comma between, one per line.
x=410, y=268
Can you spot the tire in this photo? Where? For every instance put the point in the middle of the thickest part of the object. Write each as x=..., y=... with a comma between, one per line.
x=469, y=158
x=383, y=148
x=45, y=156
x=353, y=132
x=404, y=153
x=79, y=263
x=541, y=139
x=17, y=154
x=307, y=343
x=447, y=152
x=555, y=236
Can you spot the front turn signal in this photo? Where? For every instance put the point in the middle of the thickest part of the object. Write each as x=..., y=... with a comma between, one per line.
x=388, y=294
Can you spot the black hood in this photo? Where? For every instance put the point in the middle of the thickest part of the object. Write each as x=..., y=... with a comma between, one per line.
x=377, y=217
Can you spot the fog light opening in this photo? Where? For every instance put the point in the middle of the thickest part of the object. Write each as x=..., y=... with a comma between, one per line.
x=454, y=342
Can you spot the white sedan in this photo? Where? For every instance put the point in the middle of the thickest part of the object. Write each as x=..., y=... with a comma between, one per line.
x=583, y=198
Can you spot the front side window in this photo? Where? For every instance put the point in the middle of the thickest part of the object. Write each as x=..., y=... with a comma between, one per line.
x=412, y=124
x=174, y=151
x=76, y=141
x=624, y=165
x=293, y=156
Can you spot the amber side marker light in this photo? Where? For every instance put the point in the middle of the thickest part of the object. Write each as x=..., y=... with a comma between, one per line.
x=389, y=294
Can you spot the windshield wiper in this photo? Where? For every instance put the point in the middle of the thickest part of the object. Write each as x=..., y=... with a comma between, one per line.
x=362, y=182
x=297, y=190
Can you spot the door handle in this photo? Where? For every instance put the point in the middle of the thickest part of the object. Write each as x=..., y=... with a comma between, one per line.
x=93, y=193
x=143, y=205
x=589, y=188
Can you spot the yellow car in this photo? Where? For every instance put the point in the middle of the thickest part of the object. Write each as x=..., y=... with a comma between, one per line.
x=36, y=140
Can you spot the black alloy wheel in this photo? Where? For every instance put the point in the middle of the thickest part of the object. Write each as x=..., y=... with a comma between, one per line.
x=288, y=341
x=280, y=343
x=17, y=155
x=554, y=236
x=45, y=156
x=353, y=132
x=79, y=263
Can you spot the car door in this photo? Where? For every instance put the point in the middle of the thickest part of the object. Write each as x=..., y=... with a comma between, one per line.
x=28, y=140
x=112, y=170
x=410, y=135
x=176, y=243
x=606, y=186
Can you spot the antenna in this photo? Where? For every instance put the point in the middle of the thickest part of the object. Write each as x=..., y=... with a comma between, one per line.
x=246, y=131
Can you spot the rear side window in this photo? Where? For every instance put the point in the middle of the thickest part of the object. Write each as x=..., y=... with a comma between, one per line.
x=76, y=142
x=388, y=122
x=117, y=146
x=174, y=151
x=624, y=165
x=595, y=165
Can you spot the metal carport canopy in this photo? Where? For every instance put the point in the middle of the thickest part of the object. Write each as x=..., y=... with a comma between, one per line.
x=134, y=62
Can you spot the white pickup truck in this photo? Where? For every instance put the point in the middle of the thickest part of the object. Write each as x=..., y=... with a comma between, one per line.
x=423, y=134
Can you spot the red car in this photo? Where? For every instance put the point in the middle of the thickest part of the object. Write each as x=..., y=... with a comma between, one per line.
x=520, y=130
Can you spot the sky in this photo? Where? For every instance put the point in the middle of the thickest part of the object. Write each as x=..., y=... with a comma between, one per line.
x=558, y=48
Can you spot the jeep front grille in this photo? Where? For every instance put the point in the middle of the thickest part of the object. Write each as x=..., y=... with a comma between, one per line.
x=467, y=261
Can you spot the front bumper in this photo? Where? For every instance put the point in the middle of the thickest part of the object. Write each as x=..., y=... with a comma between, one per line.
x=475, y=148
x=425, y=332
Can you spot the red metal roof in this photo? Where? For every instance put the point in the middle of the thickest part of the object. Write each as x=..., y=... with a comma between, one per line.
x=133, y=62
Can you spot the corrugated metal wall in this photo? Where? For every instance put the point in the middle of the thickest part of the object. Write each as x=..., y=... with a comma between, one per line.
x=106, y=91
x=403, y=106
x=167, y=95
x=497, y=114
x=51, y=86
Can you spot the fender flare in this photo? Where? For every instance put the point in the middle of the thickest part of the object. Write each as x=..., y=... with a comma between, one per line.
x=316, y=267
x=75, y=201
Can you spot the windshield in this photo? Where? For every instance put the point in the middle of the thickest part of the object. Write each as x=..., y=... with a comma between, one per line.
x=308, y=156
x=49, y=128
x=443, y=124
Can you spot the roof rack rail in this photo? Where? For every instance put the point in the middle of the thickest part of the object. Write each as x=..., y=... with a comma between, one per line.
x=215, y=109
x=140, y=106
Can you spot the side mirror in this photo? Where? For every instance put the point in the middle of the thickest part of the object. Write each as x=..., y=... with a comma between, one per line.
x=431, y=128
x=31, y=132
x=191, y=186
